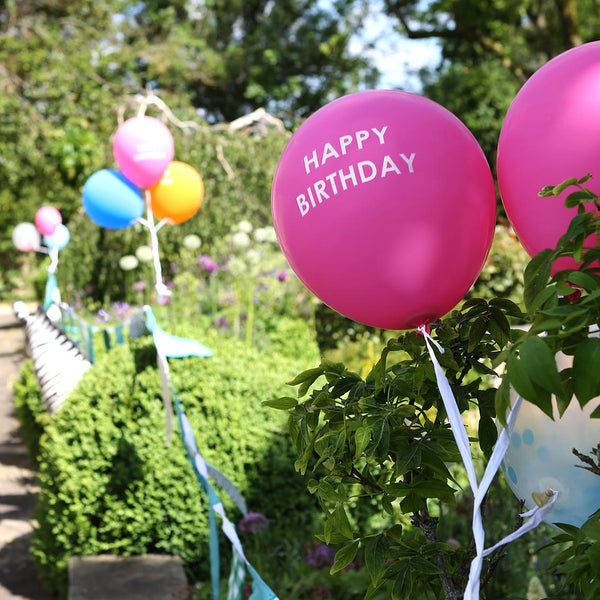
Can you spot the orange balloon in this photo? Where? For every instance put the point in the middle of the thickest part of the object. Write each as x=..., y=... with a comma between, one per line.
x=179, y=193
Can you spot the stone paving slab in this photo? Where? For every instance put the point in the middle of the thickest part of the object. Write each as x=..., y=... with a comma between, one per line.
x=108, y=577
x=18, y=475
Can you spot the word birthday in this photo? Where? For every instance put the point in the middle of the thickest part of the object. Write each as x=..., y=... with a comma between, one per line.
x=353, y=175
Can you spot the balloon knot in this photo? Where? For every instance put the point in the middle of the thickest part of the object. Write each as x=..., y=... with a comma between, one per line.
x=423, y=329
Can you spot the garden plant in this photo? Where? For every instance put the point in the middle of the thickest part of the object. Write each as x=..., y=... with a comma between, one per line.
x=379, y=446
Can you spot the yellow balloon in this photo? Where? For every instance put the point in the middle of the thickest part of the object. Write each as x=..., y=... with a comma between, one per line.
x=179, y=193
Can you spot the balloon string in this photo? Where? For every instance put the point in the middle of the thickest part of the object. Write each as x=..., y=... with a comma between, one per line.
x=479, y=489
x=161, y=289
x=53, y=253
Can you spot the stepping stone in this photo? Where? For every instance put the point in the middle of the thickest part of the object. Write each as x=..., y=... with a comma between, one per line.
x=109, y=577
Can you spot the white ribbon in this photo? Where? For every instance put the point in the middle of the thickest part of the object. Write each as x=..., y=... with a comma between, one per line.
x=480, y=489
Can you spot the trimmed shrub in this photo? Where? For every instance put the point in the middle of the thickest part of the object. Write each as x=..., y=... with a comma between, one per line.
x=110, y=484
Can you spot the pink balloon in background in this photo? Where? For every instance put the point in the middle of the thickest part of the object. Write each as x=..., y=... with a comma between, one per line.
x=384, y=205
x=47, y=219
x=551, y=133
x=143, y=147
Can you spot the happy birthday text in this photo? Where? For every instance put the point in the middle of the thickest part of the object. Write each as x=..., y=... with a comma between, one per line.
x=361, y=172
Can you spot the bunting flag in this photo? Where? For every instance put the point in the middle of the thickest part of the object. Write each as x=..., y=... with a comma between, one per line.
x=176, y=347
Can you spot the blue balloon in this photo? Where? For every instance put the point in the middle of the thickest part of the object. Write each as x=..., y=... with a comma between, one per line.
x=111, y=200
x=59, y=239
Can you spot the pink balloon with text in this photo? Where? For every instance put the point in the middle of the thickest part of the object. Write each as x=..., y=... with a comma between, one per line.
x=384, y=206
x=143, y=147
x=551, y=133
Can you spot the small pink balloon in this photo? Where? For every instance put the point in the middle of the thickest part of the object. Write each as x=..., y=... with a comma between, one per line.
x=47, y=219
x=551, y=133
x=384, y=205
x=143, y=147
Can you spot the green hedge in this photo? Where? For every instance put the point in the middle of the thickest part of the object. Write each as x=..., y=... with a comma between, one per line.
x=109, y=483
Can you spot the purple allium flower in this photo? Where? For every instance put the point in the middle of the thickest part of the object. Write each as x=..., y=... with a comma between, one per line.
x=253, y=522
x=283, y=275
x=103, y=316
x=222, y=322
x=121, y=309
x=320, y=556
x=138, y=286
x=207, y=263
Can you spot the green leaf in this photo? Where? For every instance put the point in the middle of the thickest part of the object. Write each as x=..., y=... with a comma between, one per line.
x=488, y=434
x=408, y=458
x=583, y=280
x=362, y=437
x=536, y=275
x=586, y=370
x=557, y=189
x=403, y=582
x=576, y=198
x=284, y=403
x=476, y=333
x=344, y=556
x=374, y=556
x=340, y=520
x=540, y=364
x=434, y=488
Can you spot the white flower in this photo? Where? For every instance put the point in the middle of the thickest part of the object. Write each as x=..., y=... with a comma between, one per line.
x=244, y=226
x=192, y=242
x=128, y=263
x=237, y=267
x=240, y=239
x=253, y=256
x=265, y=234
x=144, y=254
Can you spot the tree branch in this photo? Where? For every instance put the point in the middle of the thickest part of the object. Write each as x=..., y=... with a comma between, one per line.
x=428, y=525
x=593, y=465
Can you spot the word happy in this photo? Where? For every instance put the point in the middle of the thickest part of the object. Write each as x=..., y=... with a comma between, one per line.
x=340, y=180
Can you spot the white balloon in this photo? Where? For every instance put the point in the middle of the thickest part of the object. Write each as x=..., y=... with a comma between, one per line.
x=540, y=457
x=26, y=237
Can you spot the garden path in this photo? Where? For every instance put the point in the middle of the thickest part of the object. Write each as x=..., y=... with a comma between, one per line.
x=18, y=476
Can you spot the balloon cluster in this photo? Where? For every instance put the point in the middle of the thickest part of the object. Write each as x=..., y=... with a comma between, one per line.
x=48, y=227
x=143, y=149
x=384, y=204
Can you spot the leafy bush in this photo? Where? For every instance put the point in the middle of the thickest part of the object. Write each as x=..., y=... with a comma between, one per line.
x=110, y=484
x=30, y=408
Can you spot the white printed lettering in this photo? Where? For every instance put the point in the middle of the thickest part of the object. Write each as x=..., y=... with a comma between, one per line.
x=345, y=141
x=409, y=161
x=361, y=170
x=328, y=152
x=320, y=191
x=351, y=175
x=302, y=204
x=389, y=166
x=331, y=179
x=312, y=198
x=361, y=136
x=308, y=161
x=379, y=133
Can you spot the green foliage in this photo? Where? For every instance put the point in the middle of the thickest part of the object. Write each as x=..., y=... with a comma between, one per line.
x=564, y=308
x=30, y=408
x=109, y=483
x=380, y=443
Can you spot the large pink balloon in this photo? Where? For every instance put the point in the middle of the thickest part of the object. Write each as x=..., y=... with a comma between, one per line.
x=551, y=133
x=143, y=147
x=384, y=206
x=47, y=219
